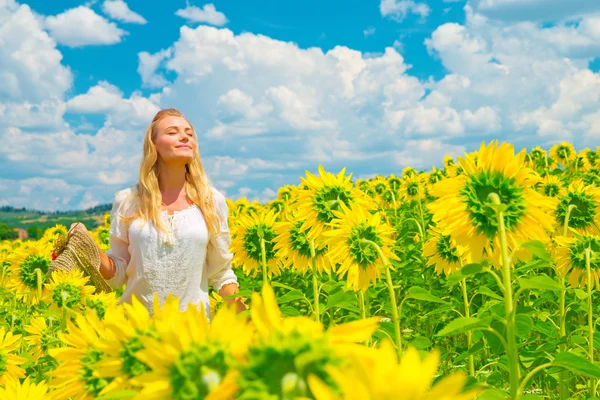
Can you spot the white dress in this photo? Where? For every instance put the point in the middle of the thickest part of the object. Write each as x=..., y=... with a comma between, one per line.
x=184, y=262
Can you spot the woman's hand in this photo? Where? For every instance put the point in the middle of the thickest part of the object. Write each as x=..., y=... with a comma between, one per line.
x=230, y=289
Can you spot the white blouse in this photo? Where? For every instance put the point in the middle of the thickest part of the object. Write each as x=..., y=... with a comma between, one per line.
x=184, y=262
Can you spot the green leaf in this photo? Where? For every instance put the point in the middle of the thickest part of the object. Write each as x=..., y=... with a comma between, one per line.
x=543, y=282
x=523, y=325
x=462, y=324
x=577, y=364
x=471, y=269
x=290, y=296
x=492, y=394
x=418, y=293
x=489, y=292
x=538, y=249
x=581, y=294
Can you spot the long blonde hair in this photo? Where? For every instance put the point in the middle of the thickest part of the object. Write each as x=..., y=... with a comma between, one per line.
x=148, y=198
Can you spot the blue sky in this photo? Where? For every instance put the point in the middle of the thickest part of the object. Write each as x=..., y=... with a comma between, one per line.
x=275, y=88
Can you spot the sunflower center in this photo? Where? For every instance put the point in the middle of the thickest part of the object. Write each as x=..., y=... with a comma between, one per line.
x=446, y=251
x=131, y=365
x=577, y=253
x=563, y=152
x=476, y=192
x=328, y=199
x=412, y=188
x=197, y=371
x=380, y=187
x=394, y=183
x=592, y=157
x=389, y=196
x=252, y=242
x=30, y=264
x=300, y=244
x=582, y=215
x=66, y=294
x=551, y=189
x=364, y=254
x=92, y=384
x=270, y=367
x=98, y=305
x=436, y=176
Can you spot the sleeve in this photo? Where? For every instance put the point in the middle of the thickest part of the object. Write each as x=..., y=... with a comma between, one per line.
x=119, y=243
x=218, y=256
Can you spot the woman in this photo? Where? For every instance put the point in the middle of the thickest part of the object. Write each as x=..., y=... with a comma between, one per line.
x=169, y=233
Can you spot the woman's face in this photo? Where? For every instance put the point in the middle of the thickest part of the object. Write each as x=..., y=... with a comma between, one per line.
x=175, y=141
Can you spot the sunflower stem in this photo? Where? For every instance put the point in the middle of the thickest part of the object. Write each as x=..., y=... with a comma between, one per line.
x=563, y=375
x=264, y=260
x=38, y=273
x=463, y=284
x=395, y=207
x=316, y=313
x=511, y=338
x=590, y=317
x=390, y=286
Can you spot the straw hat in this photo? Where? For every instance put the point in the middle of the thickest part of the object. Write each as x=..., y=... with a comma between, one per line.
x=77, y=249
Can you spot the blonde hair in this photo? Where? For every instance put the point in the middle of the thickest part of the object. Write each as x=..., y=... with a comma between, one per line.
x=148, y=198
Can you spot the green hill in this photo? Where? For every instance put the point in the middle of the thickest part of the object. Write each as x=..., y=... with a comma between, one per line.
x=34, y=222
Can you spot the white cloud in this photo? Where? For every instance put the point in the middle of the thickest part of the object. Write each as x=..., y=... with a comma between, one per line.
x=30, y=65
x=81, y=26
x=107, y=99
x=399, y=9
x=119, y=10
x=207, y=14
x=534, y=10
x=147, y=66
x=370, y=31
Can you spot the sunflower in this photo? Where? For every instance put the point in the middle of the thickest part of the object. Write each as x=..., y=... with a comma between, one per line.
x=190, y=358
x=246, y=245
x=52, y=233
x=408, y=172
x=412, y=188
x=287, y=350
x=586, y=199
x=101, y=302
x=41, y=338
x=101, y=236
x=537, y=153
x=550, y=186
x=24, y=262
x=569, y=255
x=359, y=260
x=378, y=375
x=379, y=184
x=435, y=176
x=325, y=195
x=563, y=153
x=120, y=364
x=68, y=289
x=27, y=390
x=462, y=207
x=79, y=357
x=444, y=253
x=9, y=362
x=293, y=246
x=365, y=186
x=287, y=193
x=394, y=182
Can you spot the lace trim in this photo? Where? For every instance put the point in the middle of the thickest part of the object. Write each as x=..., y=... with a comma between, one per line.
x=178, y=211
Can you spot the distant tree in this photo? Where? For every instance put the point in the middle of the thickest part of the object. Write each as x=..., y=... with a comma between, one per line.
x=35, y=232
x=7, y=232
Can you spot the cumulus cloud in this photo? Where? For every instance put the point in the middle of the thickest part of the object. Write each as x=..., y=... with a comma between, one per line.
x=534, y=10
x=81, y=26
x=398, y=10
x=207, y=14
x=119, y=10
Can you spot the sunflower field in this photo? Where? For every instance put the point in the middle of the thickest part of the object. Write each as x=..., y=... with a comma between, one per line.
x=475, y=281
